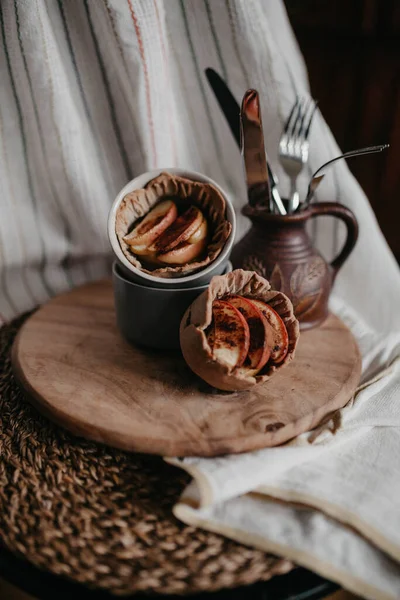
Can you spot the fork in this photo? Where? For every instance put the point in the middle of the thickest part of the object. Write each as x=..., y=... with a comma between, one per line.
x=316, y=178
x=294, y=145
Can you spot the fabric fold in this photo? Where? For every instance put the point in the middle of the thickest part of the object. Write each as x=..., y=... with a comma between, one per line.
x=305, y=536
x=325, y=494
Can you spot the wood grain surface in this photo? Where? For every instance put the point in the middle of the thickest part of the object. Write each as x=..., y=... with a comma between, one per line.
x=79, y=372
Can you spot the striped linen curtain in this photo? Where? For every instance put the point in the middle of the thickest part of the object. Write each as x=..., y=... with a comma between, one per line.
x=94, y=92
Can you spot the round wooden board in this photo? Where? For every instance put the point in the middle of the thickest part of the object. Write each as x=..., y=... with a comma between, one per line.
x=79, y=372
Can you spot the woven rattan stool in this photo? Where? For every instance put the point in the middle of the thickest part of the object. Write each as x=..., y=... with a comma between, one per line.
x=101, y=517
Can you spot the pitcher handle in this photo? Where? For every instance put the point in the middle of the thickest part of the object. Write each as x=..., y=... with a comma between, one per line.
x=345, y=214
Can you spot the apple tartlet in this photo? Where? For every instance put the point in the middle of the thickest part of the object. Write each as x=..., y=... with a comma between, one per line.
x=239, y=331
x=173, y=226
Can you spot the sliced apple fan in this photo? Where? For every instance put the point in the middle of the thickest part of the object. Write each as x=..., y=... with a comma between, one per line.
x=195, y=325
x=186, y=193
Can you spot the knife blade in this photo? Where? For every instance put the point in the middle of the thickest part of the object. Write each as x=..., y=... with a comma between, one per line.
x=227, y=103
x=231, y=109
x=253, y=150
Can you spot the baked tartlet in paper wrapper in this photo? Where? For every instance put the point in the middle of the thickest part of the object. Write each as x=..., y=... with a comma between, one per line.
x=185, y=193
x=196, y=323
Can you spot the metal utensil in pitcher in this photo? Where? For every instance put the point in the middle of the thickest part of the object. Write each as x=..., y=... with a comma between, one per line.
x=259, y=185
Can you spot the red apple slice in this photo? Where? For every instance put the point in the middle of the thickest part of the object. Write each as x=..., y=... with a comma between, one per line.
x=260, y=335
x=230, y=335
x=152, y=226
x=280, y=345
x=200, y=234
x=142, y=250
x=181, y=230
x=182, y=254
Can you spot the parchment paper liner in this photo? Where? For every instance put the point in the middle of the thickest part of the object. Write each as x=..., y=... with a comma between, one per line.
x=136, y=204
x=198, y=317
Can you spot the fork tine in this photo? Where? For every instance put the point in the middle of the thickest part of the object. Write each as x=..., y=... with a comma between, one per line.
x=291, y=114
x=306, y=107
x=298, y=114
x=308, y=127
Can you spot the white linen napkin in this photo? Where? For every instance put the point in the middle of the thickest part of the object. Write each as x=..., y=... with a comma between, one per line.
x=328, y=500
x=347, y=473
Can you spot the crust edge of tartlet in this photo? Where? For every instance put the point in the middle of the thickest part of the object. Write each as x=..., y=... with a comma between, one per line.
x=198, y=316
x=207, y=197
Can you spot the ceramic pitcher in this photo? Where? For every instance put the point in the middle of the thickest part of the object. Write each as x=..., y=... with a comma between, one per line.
x=279, y=248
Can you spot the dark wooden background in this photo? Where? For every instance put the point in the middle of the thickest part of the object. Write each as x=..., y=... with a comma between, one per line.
x=352, y=51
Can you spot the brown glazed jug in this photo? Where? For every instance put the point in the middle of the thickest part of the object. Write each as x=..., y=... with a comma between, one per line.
x=279, y=248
